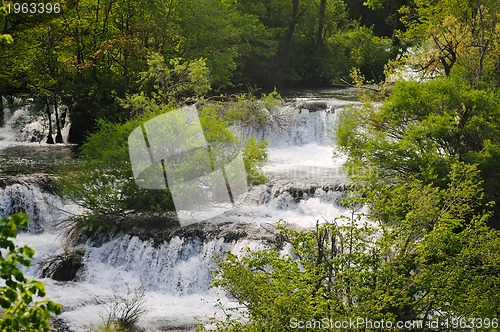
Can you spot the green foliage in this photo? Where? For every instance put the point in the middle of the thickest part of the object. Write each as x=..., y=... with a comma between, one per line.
x=452, y=33
x=361, y=50
x=232, y=35
x=102, y=182
x=421, y=130
x=315, y=43
x=4, y=39
x=177, y=82
x=424, y=254
x=245, y=111
x=17, y=295
x=100, y=52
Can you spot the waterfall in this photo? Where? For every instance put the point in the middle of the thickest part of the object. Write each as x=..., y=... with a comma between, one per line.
x=28, y=123
x=298, y=123
x=305, y=185
x=32, y=196
x=178, y=267
x=175, y=272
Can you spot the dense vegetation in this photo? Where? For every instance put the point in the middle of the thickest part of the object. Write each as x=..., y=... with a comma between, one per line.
x=91, y=54
x=103, y=183
x=437, y=260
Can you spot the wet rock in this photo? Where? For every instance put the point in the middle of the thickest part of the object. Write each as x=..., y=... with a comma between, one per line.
x=59, y=325
x=64, y=267
x=162, y=229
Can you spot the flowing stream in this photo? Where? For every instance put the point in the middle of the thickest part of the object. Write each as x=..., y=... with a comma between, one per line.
x=305, y=185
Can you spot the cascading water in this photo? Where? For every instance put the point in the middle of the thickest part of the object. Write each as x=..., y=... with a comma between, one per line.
x=305, y=185
x=28, y=123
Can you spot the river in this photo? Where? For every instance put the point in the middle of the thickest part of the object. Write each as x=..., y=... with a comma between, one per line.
x=305, y=185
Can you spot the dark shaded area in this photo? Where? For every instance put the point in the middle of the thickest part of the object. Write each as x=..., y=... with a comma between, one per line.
x=162, y=229
x=384, y=20
x=64, y=267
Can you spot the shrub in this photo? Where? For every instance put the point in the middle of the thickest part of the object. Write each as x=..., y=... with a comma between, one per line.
x=103, y=183
x=417, y=259
x=124, y=311
x=21, y=312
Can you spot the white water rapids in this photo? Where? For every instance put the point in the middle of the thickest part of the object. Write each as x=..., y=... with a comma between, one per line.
x=304, y=184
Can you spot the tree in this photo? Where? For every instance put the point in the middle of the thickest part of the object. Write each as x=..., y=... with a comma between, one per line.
x=102, y=57
x=455, y=32
x=236, y=39
x=33, y=66
x=47, y=75
x=313, y=46
x=421, y=130
x=20, y=311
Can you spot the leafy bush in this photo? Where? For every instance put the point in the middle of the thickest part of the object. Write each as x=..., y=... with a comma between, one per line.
x=103, y=184
x=421, y=129
x=362, y=50
x=17, y=294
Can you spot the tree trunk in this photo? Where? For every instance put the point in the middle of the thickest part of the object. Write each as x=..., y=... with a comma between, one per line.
x=291, y=31
x=321, y=25
x=1, y=111
x=50, y=140
x=59, y=138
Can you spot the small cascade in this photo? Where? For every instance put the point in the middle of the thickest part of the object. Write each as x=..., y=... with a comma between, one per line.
x=32, y=196
x=28, y=123
x=180, y=266
x=300, y=204
x=298, y=123
x=175, y=276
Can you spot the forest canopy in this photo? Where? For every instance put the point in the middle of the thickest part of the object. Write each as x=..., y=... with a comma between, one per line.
x=91, y=53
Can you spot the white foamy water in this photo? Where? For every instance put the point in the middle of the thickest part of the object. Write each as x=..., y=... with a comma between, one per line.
x=303, y=187
x=310, y=168
x=175, y=276
x=28, y=125
x=301, y=157
x=310, y=161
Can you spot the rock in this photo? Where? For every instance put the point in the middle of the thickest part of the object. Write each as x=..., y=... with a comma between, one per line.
x=64, y=267
x=162, y=229
x=59, y=325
